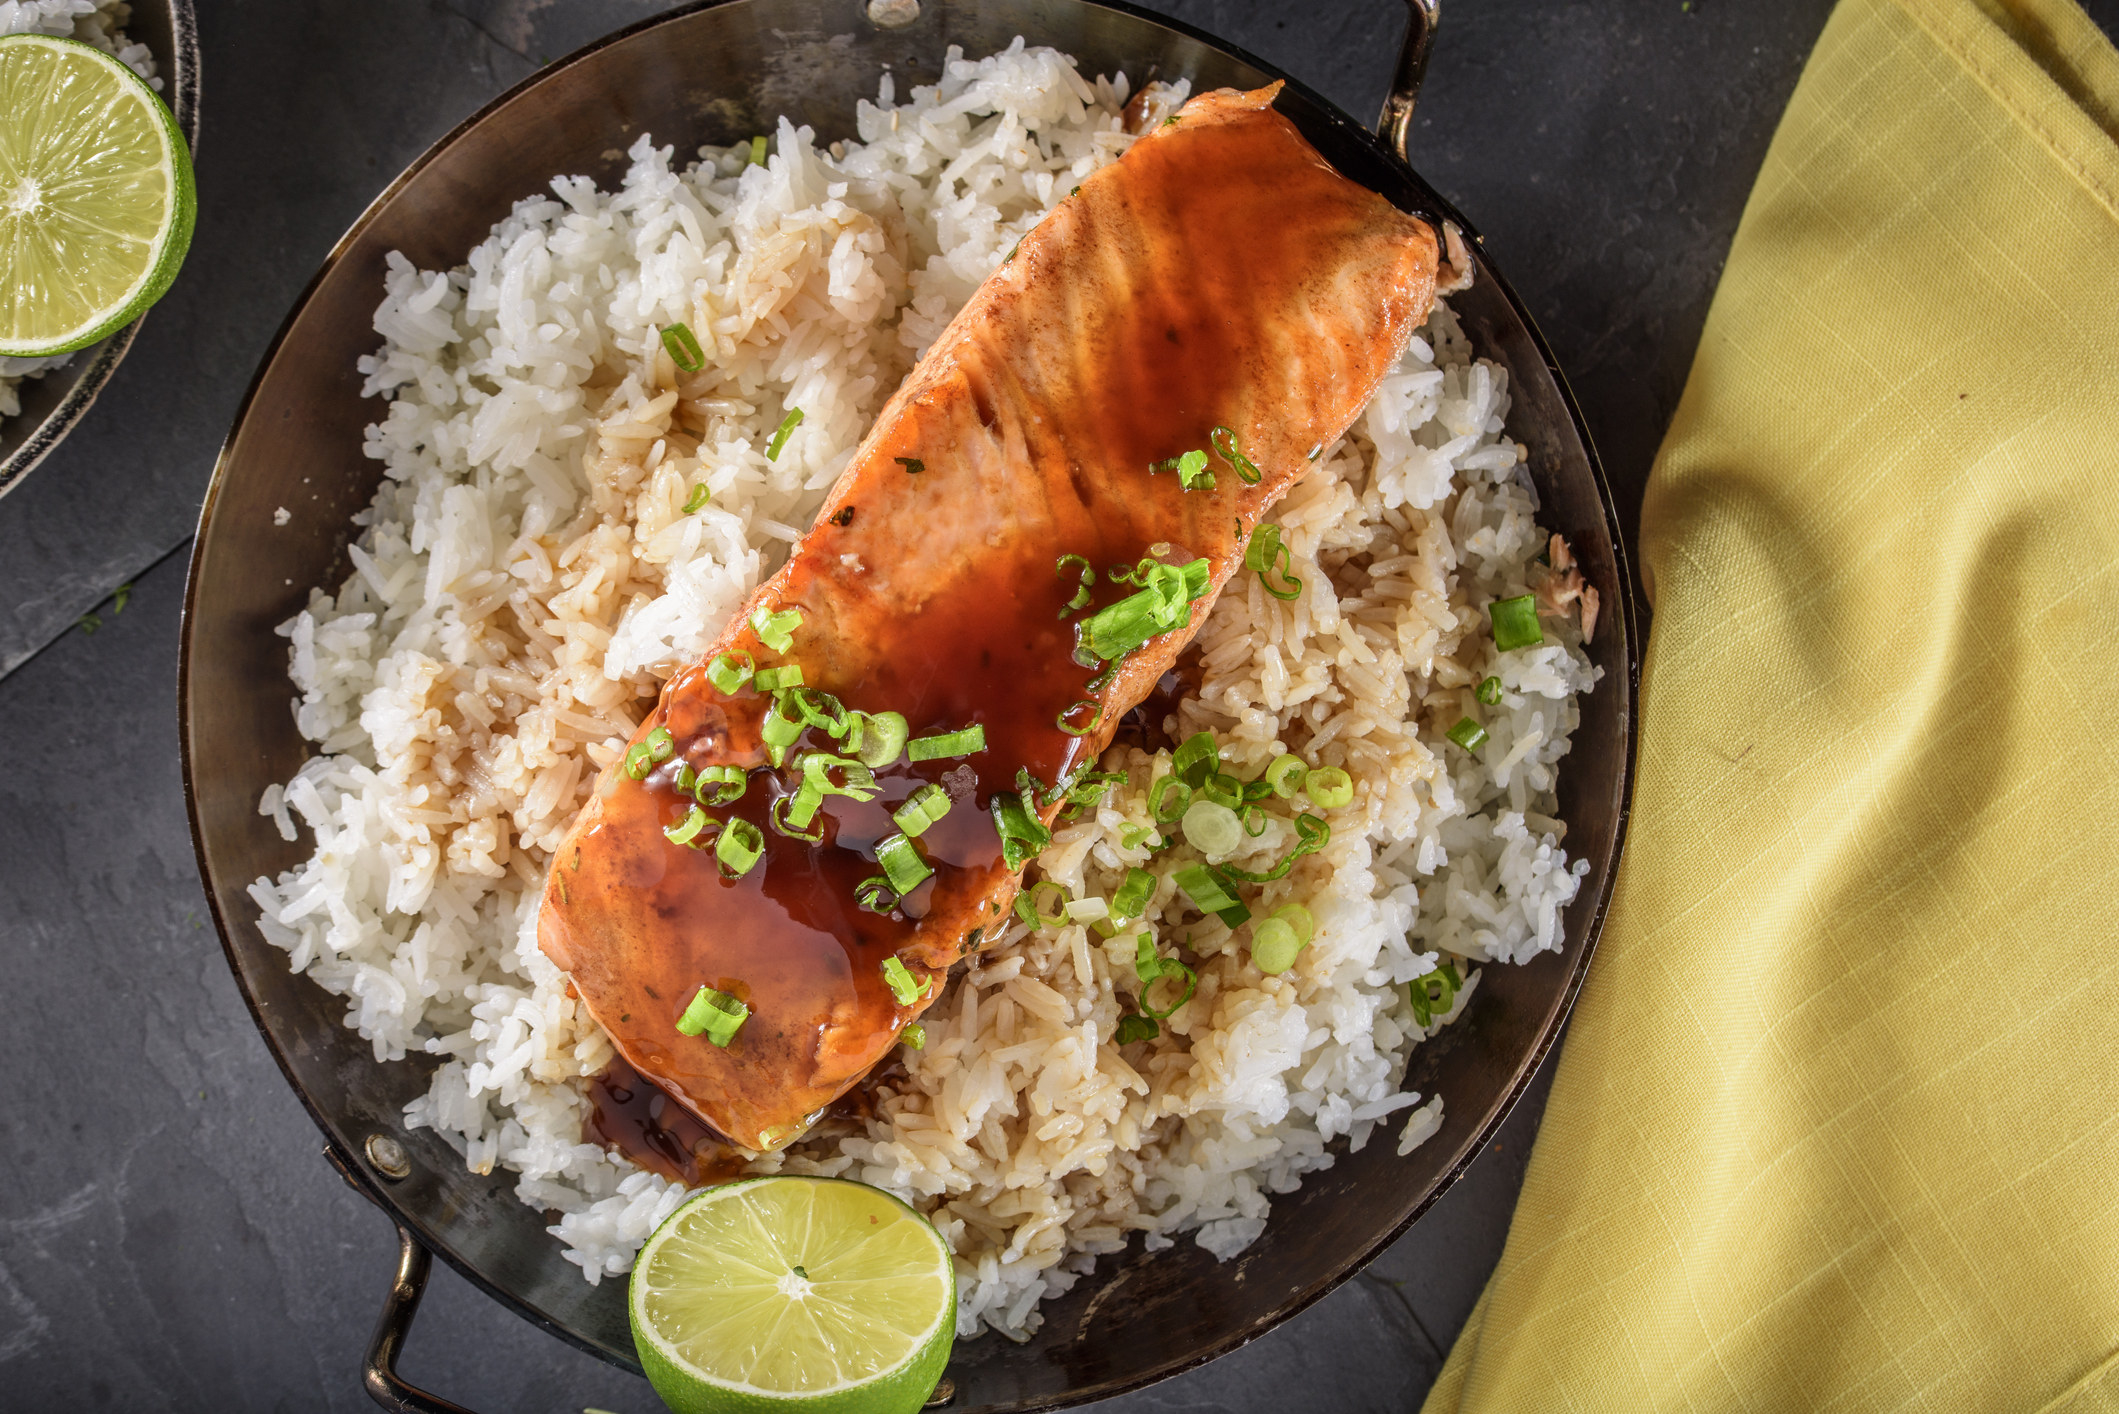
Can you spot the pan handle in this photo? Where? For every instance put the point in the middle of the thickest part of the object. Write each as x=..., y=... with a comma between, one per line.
x=379, y=1374
x=379, y=1370
x=1395, y=126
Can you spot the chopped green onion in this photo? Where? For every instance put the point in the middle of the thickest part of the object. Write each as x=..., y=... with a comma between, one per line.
x=820, y=709
x=728, y=675
x=1152, y=969
x=757, y=151
x=1191, y=471
x=1257, y=790
x=1467, y=734
x=1433, y=995
x=638, y=761
x=786, y=429
x=1096, y=715
x=780, y=679
x=1311, y=835
x=779, y=731
x=689, y=829
x=966, y=741
x=921, y=809
x=875, y=894
x=1223, y=441
x=1223, y=789
x=1133, y=895
x=1298, y=918
x=1274, y=946
x=1168, y=799
x=796, y=815
x=684, y=351
x=1089, y=789
x=1117, y=629
x=1515, y=622
x=1315, y=452
x=1022, y=835
x=1211, y=828
x=1134, y=836
x=901, y=862
x=1088, y=580
x=1285, y=775
x=659, y=744
x=876, y=738
x=1205, y=888
x=1034, y=913
x=1135, y=1028
x=1490, y=691
x=913, y=465
x=1196, y=758
x=740, y=847
x=914, y=1036
x=698, y=499
x=1329, y=787
x=1089, y=910
x=817, y=767
x=1255, y=820
x=902, y=984
x=716, y=1015
x=775, y=630
x=1266, y=556
x=726, y=782
x=686, y=778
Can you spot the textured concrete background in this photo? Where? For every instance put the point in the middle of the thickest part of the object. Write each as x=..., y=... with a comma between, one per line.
x=170, y=1237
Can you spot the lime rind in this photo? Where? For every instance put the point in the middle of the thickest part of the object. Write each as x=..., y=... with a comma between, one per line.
x=110, y=274
x=719, y=1328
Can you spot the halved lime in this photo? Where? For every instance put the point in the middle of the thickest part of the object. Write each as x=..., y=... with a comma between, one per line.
x=781, y=1293
x=95, y=196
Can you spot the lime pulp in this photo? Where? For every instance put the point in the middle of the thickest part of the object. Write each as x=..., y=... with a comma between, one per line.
x=96, y=199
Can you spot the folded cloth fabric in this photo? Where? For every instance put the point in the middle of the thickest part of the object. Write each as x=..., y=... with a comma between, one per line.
x=1835, y=1126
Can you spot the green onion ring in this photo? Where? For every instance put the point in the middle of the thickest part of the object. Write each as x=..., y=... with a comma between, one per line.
x=778, y=814
x=875, y=894
x=739, y=849
x=684, y=351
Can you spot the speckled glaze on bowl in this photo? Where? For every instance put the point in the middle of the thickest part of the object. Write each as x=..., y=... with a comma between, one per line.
x=718, y=72
x=54, y=403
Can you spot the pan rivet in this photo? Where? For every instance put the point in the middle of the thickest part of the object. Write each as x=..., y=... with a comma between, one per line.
x=388, y=1156
x=893, y=14
x=943, y=1393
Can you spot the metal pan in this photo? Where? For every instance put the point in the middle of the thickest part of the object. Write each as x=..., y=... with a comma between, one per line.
x=51, y=405
x=719, y=72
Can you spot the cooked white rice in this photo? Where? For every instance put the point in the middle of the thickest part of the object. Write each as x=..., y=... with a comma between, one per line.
x=97, y=22
x=525, y=579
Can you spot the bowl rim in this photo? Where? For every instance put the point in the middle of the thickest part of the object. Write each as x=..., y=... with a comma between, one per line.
x=100, y=360
x=413, y=1228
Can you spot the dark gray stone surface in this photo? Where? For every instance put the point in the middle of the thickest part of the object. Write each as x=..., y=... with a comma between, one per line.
x=170, y=1237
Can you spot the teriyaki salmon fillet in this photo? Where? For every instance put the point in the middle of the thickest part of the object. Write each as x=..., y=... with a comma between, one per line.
x=1132, y=390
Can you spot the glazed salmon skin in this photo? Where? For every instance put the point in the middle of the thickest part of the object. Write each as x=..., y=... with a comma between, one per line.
x=1221, y=291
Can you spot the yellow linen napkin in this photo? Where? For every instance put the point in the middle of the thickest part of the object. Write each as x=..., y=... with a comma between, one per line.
x=1835, y=1125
